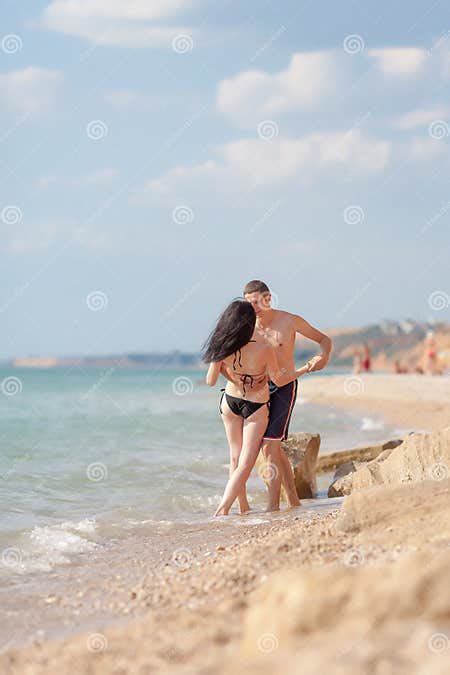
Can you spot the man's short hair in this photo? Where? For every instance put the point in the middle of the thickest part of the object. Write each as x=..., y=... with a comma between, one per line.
x=256, y=286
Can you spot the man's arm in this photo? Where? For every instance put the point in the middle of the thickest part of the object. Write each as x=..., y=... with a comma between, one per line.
x=281, y=376
x=304, y=328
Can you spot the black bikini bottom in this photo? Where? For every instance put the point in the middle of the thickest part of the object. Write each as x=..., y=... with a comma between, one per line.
x=239, y=406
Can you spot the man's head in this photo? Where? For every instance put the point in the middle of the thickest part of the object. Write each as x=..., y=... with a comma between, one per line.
x=258, y=294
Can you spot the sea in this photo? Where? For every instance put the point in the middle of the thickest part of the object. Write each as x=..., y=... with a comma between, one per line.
x=92, y=456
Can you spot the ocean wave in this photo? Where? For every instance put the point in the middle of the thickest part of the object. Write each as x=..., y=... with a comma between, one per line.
x=47, y=546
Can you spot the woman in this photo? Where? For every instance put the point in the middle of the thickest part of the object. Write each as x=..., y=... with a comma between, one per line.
x=247, y=365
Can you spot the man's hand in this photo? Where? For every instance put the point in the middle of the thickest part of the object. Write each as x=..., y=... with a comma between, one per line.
x=317, y=362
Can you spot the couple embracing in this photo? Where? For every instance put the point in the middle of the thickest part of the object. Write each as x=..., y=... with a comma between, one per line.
x=253, y=347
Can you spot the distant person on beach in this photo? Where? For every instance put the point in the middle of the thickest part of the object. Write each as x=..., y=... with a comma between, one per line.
x=430, y=365
x=279, y=329
x=362, y=362
x=366, y=363
x=247, y=364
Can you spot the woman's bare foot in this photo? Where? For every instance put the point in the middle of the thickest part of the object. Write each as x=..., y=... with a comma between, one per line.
x=244, y=506
x=220, y=512
x=244, y=512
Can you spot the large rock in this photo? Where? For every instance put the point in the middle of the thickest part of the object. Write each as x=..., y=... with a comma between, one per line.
x=422, y=456
x=302, y=450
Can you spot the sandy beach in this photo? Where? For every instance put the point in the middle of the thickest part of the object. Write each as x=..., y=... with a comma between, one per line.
x=418, y=402
x=358, y=585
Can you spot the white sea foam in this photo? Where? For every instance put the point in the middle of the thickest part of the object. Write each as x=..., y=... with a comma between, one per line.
x=47, y=546
x=369, y=424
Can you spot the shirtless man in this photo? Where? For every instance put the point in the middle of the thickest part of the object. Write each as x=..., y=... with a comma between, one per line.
x=279, y=328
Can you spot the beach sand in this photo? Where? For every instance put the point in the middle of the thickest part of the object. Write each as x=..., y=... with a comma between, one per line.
x=358, y=585
x=417, y=402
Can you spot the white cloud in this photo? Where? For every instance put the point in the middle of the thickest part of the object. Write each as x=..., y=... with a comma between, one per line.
x=327, y=82
x=263, y=162
x=421, y=117
x=260, y=163
x=309, y=78
x=116, y=22
x=30, y=90
x=399, y=61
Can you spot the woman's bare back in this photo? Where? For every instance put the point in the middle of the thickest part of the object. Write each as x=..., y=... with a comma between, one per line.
x=246, y=372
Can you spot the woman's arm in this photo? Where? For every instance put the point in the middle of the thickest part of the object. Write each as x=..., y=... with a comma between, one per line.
x=281, y=376
x=213, y=373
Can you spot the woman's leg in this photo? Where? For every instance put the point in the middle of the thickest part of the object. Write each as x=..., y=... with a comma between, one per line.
x=254, y=428
x=233, y=428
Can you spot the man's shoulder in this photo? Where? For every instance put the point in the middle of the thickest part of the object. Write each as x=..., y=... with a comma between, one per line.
x=286, y=317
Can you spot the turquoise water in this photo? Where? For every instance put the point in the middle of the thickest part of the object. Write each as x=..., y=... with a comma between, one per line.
x=102, y=451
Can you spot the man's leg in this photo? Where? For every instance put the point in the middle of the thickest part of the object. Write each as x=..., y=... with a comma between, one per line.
x=272, y=472
x=288, y=480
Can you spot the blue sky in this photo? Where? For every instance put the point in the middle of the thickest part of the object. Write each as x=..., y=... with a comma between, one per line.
x=156, y=155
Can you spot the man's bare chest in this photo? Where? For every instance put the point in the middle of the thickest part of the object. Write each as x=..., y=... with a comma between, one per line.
x=275, y=336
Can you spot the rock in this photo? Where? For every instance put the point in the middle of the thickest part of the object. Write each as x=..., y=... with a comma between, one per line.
x=395, y=506
x=302, y=450
x=332, y=460
x=345, y=468
x=339, y=486
x=422, y=456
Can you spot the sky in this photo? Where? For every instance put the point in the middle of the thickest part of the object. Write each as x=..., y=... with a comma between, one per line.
x=155, y=155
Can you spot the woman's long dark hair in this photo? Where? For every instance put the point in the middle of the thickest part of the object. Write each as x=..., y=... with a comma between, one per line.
x=233, y=330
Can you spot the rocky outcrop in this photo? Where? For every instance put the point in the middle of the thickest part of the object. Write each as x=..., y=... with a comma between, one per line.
x=396, y=507
x=422, y=456
x=331, y=461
